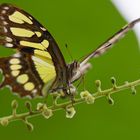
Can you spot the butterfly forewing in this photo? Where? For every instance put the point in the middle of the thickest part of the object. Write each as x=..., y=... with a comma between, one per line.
x=19, y=29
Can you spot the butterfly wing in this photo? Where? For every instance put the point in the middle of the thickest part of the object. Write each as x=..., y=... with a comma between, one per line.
x=26, y=74
x=21, y=31
x=110, y=42
x=104, y=47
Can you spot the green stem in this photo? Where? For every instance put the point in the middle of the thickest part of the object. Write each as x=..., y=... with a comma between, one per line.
x=96, y=95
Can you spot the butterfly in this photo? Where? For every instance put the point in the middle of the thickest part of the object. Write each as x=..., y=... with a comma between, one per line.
x=38, y=67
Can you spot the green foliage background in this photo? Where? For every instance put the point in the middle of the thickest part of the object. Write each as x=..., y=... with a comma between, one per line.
x=83, y=25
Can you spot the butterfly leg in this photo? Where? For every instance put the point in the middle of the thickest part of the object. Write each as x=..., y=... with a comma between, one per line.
x=81, y=81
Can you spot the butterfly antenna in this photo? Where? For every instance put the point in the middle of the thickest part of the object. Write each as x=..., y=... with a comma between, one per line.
x=69, y=52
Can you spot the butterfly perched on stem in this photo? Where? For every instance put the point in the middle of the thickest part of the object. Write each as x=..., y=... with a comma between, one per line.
x=39, y=67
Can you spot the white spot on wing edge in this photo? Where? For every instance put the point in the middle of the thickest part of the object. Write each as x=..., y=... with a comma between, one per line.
x=2, y=18
x=3, y=12
x=17, y=55
x=6, y=7
x=30, y=17
x=18, y=94
x=5, y=29
x=34, y=91
x=8, y=39
x=42, y=28
x=4, y=23
x=9, y=45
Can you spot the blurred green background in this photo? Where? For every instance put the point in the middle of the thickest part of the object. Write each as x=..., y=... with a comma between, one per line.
x=83, y=25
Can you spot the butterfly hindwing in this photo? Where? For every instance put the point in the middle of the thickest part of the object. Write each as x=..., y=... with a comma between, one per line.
x=23, y=74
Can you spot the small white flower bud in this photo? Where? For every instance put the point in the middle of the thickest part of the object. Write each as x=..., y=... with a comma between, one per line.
x=4, y=122
x=70, y=112
x=39, y=106
x=88, y=97
x=47, y=113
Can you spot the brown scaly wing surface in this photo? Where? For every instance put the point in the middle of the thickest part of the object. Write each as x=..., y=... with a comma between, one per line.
x=20, y=30
x=16, y=25
x=43, y=61
x=20, y=74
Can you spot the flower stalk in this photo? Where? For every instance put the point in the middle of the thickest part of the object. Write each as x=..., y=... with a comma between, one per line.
x=68, y=106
